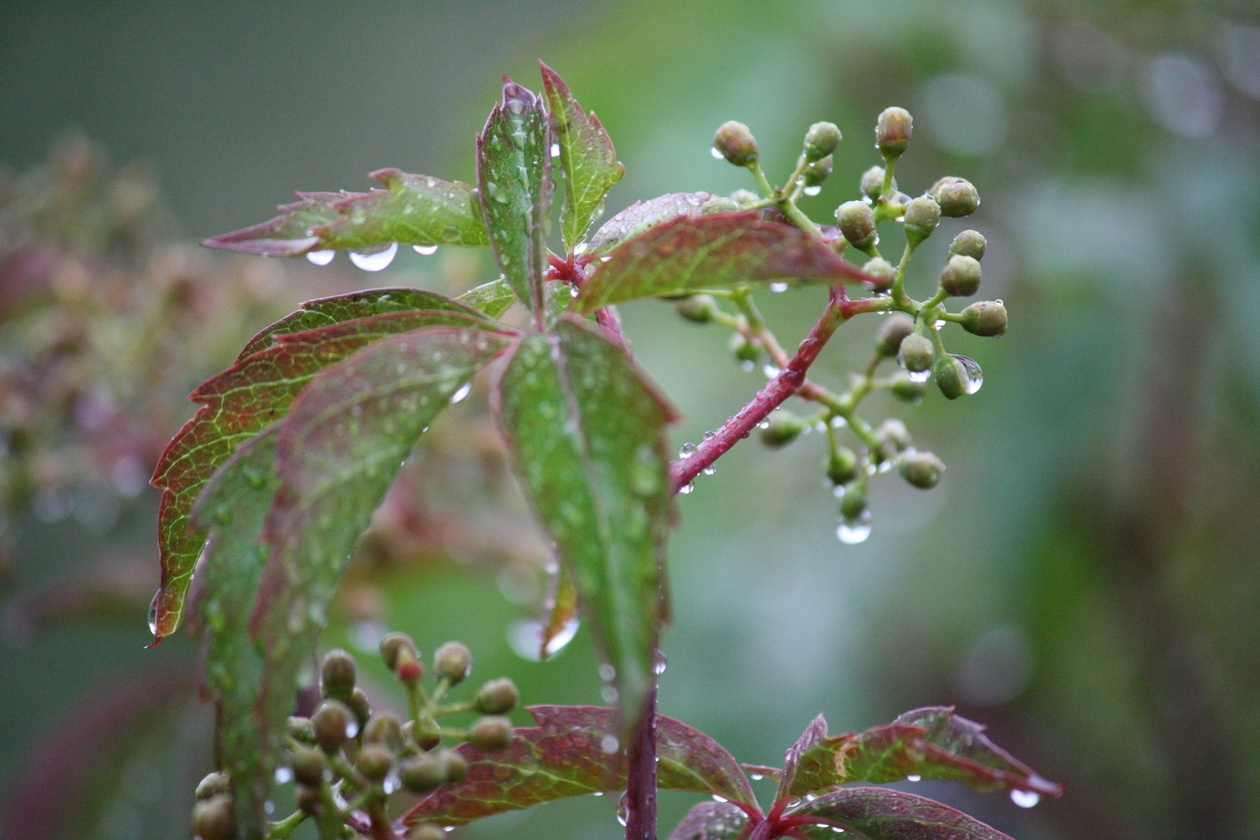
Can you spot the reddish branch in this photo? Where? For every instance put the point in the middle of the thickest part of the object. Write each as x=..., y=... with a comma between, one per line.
x=641, y=775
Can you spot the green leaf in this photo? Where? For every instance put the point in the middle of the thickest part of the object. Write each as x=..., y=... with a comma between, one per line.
x=717, y=251
x=514, y=179
x=493, y=298
x=931, y=743
x=642, y=215
x=256, y=391
x=711, y=821
x=565, y=756
x=587, y=435
x=413, y=210
x=809, y=741
x=881, y=814
x=586, y=155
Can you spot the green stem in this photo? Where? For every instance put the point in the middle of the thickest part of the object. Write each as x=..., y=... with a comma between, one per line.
x=281, y=829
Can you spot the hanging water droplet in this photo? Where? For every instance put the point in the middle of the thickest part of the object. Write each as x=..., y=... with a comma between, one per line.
x=939, y=324
x=459, y=395
x=425, y=250
x=1025, y=798
x=687, y=489
x=352, y=728
x=283, y=775
x=814, y=190
x=913, y=777
x=153, y=605
x=660, y=664
x=686, y=450
x=623, y=809
x=375, y=260
x=555, y=150
x=607, y=672
x=609, y=744
x=717, y=798
x=770, y=371
x=713, y=150
x=580, y=248
x=778, y=287
x=516, y=106
x=747, y=366
x=975, y=376
x=854, y=531
x=608, y=694
x=709, y=435
x=709, y=470
x=321, y=257
x=919, y=375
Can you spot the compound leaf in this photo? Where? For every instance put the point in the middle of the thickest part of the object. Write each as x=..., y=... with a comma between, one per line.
x=587, y=436
x=716, y=251
x=882, y=814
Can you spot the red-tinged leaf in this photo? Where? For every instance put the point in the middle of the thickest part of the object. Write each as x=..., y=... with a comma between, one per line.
x=566, y=755
x=413, y=210
x=882, y=814
x=641, y=215
x=588, y=439
x=493, y=298
x=586, y=155
x=711, y=821
x=717, y=251
x=562, y=612
x=809, y=741
x=931, y=743
x=337, y=452
x=252, y=394
x=515, y=184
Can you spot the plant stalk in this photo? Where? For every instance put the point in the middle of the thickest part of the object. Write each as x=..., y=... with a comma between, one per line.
x=641, y=774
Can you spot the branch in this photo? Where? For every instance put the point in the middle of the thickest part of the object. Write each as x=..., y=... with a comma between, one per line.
x=641, y=775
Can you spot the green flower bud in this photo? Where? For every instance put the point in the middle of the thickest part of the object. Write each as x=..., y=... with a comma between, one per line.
x=452, y=662
x=385, y=729
x=968, y=243
x=697, y=308
x=333, y=723
x=426, y=831
x=422, y=772
x=857, y=223
x=393, y=645
x=490, y=733
x=299, y=729
x=841, y=465
x=426, y=732
x=782, y=428
x=916, y=353
x=986, y=317
x=872, y=184
x=956, y=196
x=881, y=271
x=821, y=140
x=496, y=697
x=891, y=333
x=213, y=819
x=362, y=709
x=308, y=800
x=456, y=766
x=374, y=762
x=817, y=172
x=746, y=352
x=894, y=433
x=216, y=783
x=744, y=197
x=336, y=675
x=853, y=501
x=892, y=132
x=922, y=216
x=735, y=143
x=906, y=389
x=961, y=276
x=308, y=766
x=921, y=469
x=951, y=377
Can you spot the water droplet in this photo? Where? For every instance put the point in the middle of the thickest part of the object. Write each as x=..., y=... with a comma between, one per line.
x=913, y=777
x=555, y=150
x=425, y=250
x=607, y=672
x=459, y=395
x=770, y=371
x=608, y=694
x=854, y=531
x=747, y=366
x=717, y=798
x=778, y=287
x=939, y=324
x=580, y=248
x=598, y=793
x=660, y=664
x=375, y=260
x=153, y=605
x=623, y=809
x=321, y=257
x=919, y=375
x=1025, y=798
x=709, y=470
x=283, y=775
x=713, y=150
x=756, y=777
x=814, y=190
x=269, y=807
x=609, y=744
x=687, y=489
x=352, y=728
x=975, y=376
x=686, y=450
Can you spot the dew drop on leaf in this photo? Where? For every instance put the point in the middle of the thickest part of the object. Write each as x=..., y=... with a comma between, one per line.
x=555, y=150
x=153, y=605
x=321, y=257
x=463, y=391
x=609, y=744
x=375, y=260
x=1025, y=798
x=914, y=777
x=778, y=287
x=425, y=250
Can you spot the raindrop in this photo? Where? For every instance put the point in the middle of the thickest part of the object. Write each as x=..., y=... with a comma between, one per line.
x=623, y=810
x=321, y=257
x=1025, y=798
x=717, y=153
x=608, y=694
x=607, y=672
x=747, y=366
x=459, y=395
x=778, y=287
x=609, y=744
x=352, y=728
x=283, y=775
x=555, y=150
x=686, y=450
x=709, y=470
x=940, y=325
x=425, y=250
x=764, y=424
x=919, y=375
x=975, y=376
x=814, y=190
x=153, y=605
x=580, y=248
x=375, y=260
x=913, y=777
x=598, y=793
x=756, y=777
x=269, y=807
x=687, y=489
x=854, y=531
x=709, y=435
x=717, y=798
x=658, y=667
x=516, y=106
x=770, y=371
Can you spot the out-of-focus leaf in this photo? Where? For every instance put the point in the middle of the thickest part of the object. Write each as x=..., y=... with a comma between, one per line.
x=882, y=814
x=514, y=179
x=642, y=215
x=711, y=821
x=586, y=155
x=932, y=743
x=813, y=735
x=493, y=298
x=413, y=210
x=255, y=392
x=587, y=436
x=562, y=609
x=566, y=755
x=717, y=251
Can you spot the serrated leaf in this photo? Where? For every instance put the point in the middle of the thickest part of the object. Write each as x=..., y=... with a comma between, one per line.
x=711, y=821
x=932, y=743
x=515, y=185
x=882, y=814
x=808, y=742
x=413, y=210
x=565, y=756
x=642, y=215
x=717, y=251
x=587, y=436
x=256, y=391
x=586, y=155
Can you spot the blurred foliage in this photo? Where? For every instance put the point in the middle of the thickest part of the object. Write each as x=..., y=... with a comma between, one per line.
x=1084, y=580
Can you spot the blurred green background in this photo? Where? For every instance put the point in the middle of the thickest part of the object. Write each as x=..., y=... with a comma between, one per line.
x=1085, y=580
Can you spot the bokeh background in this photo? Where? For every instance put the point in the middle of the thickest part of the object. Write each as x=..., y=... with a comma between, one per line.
x=1086, y=580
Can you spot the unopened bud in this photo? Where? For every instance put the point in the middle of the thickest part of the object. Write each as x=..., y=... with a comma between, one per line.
x=736, y=143
x=956, y=196
x=985, y=317
x=213, y=819
x=361, y=706
x=374, y=762
x=951, y=377
x=906, y=389
x=697, y=308
x=452, y=662
x=333, y=723
x=841, y=465
x=216, y=783
x=821, y=140
x=961, y=276
x=745, y=351
x=422, y=772
x=456, y=766
x=920, y=469
x=891, y=333
x=968, y=243
x=426, y=831
x=385, y=729
x=922, y=216
x=881, y=271
x=894, y=433
x=496, y=697
x=853, y=501
x=892, y=132
x=337, y=675
x=916, y=353
x=872, y=183
x=857, y=223
x=782, y=427
x=308, y=766
x=817, y=171
x=490, y=733
x=394, y=645
x=426, y=732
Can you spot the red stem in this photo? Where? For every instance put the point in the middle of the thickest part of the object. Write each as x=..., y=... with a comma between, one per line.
x=776, y=392
x=641, y=775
